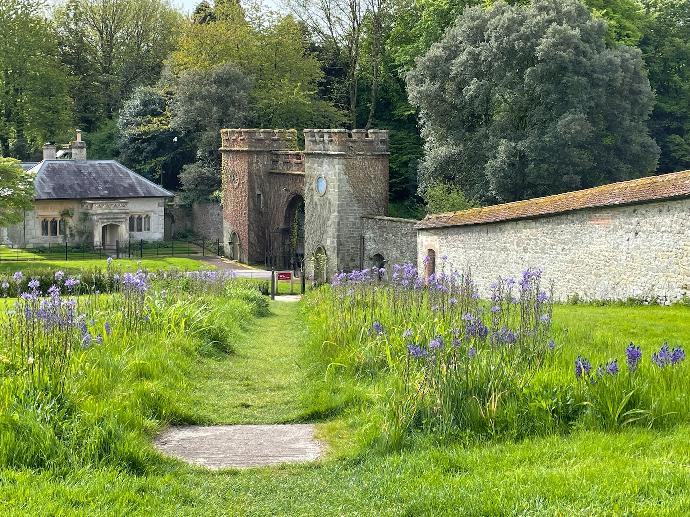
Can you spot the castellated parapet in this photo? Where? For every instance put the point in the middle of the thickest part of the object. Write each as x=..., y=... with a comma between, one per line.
x=258, y=139
x=357, y=141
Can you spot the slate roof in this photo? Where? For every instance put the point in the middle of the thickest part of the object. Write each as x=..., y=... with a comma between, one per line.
x=28, y=165
x=654, y=188
x=91, y=179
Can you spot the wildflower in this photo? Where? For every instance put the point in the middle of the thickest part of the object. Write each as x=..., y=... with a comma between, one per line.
x=542, y=297
x=495, y=309
x=545, y=318
x=582, y=366
x=71, y=283
x=109, y=260
x=34, y=284
x=472, y=352
x=416, y=351
x=99, y=339
x=600, y=371
x=18, y=276
x=378, y=328
x=453, y=301
x=612, y=367
x=662, y=358
x=108, y=329
x=551, y=344
x=86, y=340
x=633, y=355
x=677, y=355
x=436, y=343
x=456, y=343
x=5, y=286
x=59, y=275
x=407, y=334
x=505, y=335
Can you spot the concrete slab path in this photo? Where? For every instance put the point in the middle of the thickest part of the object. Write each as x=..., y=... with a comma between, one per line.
x=241, y=446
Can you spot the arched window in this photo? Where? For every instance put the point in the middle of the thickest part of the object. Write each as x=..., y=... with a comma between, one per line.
x=139, y=223
x=131, y=223
x=44, y=227
x=53, y=227
x=147, y=223
x=61, y=227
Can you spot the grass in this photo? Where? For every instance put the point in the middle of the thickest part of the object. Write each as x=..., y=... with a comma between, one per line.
x=261, y=382
x=632, y=472
x=78, y=265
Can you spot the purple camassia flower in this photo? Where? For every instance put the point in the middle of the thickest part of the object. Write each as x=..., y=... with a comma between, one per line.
x=416, y=351
x=18, y=276
x=495, y=309
x=455, y=332
x=453, y=301
x=476, y=329
x=378, y=328
x=468, y=317
x=436, y=343
x=542, y=297
x=108, y=329
x=99, y=339
x=86, y=340
x=505, y=336
x=59, y=276
x=71, y=283
x=54, y=291
x=109, y=260
x=528, y=276
x=677, y=355
x=633, y=356
x=662, y=358
x=471, y=352
x=4, y=286
x=582, y=366
x=551, y=344
x=34, y=284
x=612, y=367
x=407, y=334
x=545, y=318
x=456, y=343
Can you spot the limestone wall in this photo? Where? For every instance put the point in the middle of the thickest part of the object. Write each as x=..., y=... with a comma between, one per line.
x=637, y=251
x=392, y=238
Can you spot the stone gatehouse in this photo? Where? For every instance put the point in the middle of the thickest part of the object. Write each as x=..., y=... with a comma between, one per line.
x=322, y=204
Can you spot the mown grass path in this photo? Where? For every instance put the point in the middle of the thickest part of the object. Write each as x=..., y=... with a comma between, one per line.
x=260, y=382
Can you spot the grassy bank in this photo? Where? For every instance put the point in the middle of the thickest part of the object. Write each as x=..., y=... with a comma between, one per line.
x=78, y=265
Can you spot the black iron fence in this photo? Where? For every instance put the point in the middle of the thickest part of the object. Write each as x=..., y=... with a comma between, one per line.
x=134, y=249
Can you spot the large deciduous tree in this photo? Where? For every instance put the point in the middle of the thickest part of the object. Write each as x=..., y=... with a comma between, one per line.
x=518, y=102
x=16, y=191
x=34, y=101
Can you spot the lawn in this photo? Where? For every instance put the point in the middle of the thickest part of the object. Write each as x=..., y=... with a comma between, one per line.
x=78, y=265
x=274, y=376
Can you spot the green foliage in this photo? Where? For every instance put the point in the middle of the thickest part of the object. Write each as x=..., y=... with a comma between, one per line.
x=520, y=102
x=445, y=197
x=111, y=47
x=16, y=191
x=34, y=89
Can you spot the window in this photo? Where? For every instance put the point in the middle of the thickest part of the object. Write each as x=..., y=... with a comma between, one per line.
x=44, y=227
x=139, y=225
x=147, y=223
x=131, y=223
x=61, y=227
x=53, y=227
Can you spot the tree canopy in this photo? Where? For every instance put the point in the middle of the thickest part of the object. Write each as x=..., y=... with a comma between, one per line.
x=525, y=101
x=16, y=191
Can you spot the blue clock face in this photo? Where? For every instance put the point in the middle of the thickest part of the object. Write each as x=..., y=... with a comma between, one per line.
x=321, y=185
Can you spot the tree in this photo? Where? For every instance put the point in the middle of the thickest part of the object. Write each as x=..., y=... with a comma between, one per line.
x=666, y=49
x=148, y=144
x=16, y=191
x=272, y=53
x=111, y=47
x=445, y=197
x=34, y=88
x=517, y=102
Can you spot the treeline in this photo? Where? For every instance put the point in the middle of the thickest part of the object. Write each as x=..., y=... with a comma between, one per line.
x=152, y=87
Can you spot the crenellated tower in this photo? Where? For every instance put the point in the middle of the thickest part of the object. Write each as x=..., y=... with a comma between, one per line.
x=346, y=178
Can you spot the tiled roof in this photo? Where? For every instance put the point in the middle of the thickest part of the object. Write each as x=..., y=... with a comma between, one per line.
x=653, y=188
x=91, y=179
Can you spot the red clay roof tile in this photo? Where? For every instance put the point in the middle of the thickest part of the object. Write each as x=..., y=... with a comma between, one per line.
x=652, y=188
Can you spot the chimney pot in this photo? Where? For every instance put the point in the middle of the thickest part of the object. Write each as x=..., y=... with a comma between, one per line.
x=78, y=148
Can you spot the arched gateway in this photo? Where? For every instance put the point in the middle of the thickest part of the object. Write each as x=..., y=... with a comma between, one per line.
x=286, y=205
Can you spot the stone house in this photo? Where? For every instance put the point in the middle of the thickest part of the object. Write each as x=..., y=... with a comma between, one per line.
x=95, y=202
x=623, y=240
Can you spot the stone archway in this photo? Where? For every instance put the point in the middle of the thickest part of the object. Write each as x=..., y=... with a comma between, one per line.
x=293, y=233
x=110, y=235
x=235, y=246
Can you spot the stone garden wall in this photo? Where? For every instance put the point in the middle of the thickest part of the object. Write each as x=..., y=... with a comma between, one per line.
x=390, y=238
x=636, y=251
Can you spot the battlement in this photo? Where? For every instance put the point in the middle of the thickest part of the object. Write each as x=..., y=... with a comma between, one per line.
x=258, y=139
x=356, y=141
x=287, y=161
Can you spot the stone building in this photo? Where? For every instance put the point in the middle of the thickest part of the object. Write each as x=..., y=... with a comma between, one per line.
x=96, y=202
x=618, y=241
x=282, y=205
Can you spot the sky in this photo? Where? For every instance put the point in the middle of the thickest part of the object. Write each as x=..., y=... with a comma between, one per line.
x=187, y=6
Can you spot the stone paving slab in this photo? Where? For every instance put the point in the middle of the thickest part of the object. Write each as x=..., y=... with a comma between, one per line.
x=240, y=446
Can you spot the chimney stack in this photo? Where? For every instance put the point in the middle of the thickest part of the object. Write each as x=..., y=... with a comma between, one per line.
x=78, y=148
x=49, y=151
